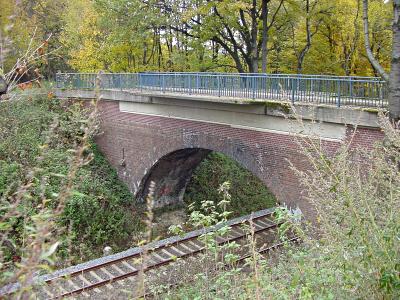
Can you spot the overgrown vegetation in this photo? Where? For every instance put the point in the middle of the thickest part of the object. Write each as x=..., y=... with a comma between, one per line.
x=356, y=253
x=248, y=193
x=38, y=146
x=99, y=211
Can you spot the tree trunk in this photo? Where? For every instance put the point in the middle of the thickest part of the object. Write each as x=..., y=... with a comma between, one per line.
x=374, y=62
x=264, y=50
x=3, y=86
x=303, y=52
x=238, y=63
x=394, y=83
x=144, y=53
x=253, y=67
x=160, y=54
x=1, y=53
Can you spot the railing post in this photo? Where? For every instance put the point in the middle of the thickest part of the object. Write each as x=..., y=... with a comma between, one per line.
x=140, y=81
x=351, y=88
x=163, y=82
x=293, y=89
x=254, y=86
x=338, y=93
x=197, y=82
x=190, y=84
x=58, y=79
x=219, y=88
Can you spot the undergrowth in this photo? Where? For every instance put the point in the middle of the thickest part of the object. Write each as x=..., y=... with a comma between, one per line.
x=248, y=193
x=99, y=211
x=355, y=252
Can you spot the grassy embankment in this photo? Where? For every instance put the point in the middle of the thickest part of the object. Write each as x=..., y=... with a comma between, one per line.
x=100, y=209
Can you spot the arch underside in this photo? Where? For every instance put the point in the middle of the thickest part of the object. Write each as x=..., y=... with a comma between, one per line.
x=171, y=174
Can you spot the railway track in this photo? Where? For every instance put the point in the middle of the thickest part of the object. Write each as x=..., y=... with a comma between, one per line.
x=122, y=270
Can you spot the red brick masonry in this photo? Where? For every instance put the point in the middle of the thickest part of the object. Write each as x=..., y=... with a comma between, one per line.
x=135, y=143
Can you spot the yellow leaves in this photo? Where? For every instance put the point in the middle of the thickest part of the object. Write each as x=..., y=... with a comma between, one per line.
x=42, y=49
x=50, y=95
x=82, y=36
x=80, y=23
x=87, y=57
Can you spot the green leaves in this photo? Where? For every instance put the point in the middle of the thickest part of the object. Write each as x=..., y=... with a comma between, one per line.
x=218, y=174
x=390, y=280
x=98, y=208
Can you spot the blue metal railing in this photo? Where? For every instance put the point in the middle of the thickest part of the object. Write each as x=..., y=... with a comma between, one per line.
x=324, y=89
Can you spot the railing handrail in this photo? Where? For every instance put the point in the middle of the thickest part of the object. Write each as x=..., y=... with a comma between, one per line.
x=219, y=74
x=257, y=74
x=328, y=89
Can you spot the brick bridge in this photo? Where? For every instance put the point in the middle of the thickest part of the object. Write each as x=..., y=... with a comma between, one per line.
x=161, y=135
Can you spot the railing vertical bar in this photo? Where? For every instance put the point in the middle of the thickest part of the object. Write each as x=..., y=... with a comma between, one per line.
x=219, y=89
x=293, y=90
x=197, y=83
x=253, y=83
x=190, y=84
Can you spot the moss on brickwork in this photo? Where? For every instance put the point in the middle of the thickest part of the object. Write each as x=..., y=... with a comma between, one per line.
x=281, y=106
x=273, y=105
x=370, y=109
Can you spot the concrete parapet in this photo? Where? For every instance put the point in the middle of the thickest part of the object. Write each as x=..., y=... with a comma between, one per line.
x=345, y=115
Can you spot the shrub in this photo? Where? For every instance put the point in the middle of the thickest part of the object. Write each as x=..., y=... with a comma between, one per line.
x=99, y=210
x=247, y=191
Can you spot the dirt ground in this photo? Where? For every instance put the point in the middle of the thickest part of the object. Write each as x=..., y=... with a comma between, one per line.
x=164, y=219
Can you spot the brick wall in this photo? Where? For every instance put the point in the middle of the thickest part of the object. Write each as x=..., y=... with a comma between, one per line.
x=134, y=143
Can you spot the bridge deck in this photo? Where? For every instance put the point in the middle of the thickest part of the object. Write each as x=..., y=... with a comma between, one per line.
x=242, y=98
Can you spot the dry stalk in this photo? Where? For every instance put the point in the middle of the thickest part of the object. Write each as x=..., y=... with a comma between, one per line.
x=254, y=259
x=141, y=291
x=45, y=228
x=25, y=63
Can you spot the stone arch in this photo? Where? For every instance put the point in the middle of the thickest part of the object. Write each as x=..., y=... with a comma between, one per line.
x=135, y=144
x=173, y=171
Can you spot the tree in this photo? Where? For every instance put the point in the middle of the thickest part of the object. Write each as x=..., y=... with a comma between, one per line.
x=349, y=43
x=235, y=27
x=394, y=94
x=374, y=62
x=82, y=37
x=342, y=31
x=7, y=9
x=264, y=50
x=301, y=54
x=281, y=36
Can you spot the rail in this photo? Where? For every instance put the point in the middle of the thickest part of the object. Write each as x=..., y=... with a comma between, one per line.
x=318, y=89
x=111, y=273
